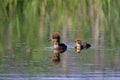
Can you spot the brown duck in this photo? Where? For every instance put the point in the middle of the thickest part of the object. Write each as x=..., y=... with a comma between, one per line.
x=57, y=46
x=81, y=45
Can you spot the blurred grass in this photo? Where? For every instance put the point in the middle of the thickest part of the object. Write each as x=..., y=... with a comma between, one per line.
x=31, y=20
x=27, y=25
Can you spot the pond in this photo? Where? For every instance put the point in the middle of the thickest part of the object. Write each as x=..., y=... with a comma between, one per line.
x=26, y=49
x=95, y=63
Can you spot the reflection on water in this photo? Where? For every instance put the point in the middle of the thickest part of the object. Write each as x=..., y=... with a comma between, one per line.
x=48, y=62
x=45, y=62
x=72, y=66
x=56, y=58
x=26, y=27
x=96, y=63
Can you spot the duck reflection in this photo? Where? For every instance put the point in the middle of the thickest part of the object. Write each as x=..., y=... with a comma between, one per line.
x=79, y=45
x=56, y=58
x=58, y=47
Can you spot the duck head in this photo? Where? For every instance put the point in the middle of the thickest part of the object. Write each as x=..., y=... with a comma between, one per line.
x=78, y=46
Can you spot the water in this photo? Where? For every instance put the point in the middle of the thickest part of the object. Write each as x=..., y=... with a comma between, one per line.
x=82, y=76
x=26, y=27
x=95, y=63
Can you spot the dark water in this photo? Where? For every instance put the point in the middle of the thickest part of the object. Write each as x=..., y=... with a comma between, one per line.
x=100, y=62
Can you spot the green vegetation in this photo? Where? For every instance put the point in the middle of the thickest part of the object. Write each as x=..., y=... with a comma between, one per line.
x=29, y=20
x=32, y=22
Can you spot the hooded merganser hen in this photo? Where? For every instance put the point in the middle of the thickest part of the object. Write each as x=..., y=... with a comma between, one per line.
x=61, y=47
x=81, y=45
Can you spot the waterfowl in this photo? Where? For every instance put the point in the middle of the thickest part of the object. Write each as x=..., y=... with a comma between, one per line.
x=78, y=46
x=56, y=36
x=86, y=45
x=57, y=46
x=81, y=45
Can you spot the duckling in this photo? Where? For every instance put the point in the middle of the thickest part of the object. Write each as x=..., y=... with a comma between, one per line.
x=57, y=46
x=78, y=46
x=81, y=45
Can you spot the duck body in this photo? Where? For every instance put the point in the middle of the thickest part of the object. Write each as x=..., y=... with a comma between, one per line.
x=62, y=47
x=57, y=46
x=81, y=45
x=86, y=45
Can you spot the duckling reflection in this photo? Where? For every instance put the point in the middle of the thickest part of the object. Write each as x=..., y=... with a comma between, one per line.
x=56, y=58
x=81, y=45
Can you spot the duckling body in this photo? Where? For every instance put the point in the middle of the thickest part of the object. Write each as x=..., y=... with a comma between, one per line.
x=81, y=45
x=86, y=45
x=57, y=46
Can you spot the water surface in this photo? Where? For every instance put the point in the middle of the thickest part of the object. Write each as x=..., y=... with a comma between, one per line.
x=96, y=63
